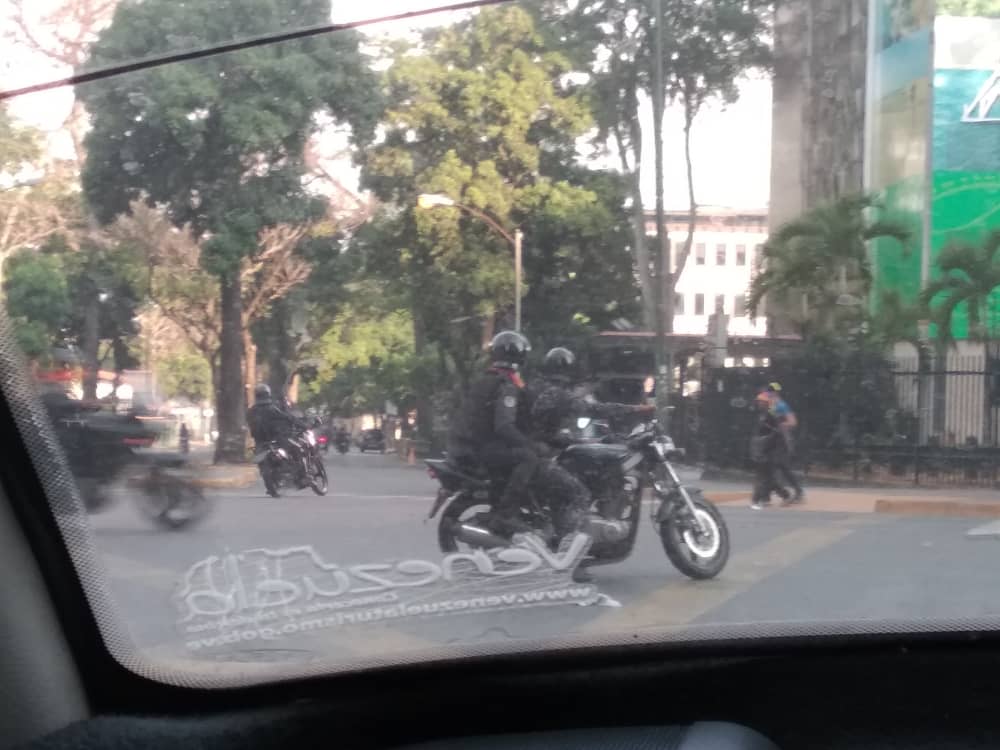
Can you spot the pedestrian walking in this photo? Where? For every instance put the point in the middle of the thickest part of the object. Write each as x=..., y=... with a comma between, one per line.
x=763, y=448
x=185, y=438
x=787, y=422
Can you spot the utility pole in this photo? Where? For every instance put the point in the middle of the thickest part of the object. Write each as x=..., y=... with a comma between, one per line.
x=664, y=275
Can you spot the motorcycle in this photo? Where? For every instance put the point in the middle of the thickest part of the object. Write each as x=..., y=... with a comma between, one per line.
x=617, y=473
x=278, y=469
x=103, y=449
x=343, y=441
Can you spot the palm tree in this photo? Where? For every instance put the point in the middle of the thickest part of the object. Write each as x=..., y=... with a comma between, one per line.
x=970, y=274
x=819, y=258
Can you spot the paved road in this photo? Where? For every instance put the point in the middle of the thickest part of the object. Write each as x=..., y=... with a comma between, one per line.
x=785, y=566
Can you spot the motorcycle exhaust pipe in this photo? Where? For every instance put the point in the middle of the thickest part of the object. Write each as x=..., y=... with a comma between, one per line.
x=477, y=537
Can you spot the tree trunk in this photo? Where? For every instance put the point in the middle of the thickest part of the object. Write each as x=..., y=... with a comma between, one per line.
x=249, y=367
x=640, y=248
x=424, y=403
x=280, y=352
x=90, y=343
x=642, y=254
x=681, y=257
x=230, y=404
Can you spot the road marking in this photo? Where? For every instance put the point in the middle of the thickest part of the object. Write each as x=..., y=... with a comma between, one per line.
x=680, y=602
x=986, y=531
x=428, y=498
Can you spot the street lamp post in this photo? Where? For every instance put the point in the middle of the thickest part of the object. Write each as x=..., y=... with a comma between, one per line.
x=435, y=200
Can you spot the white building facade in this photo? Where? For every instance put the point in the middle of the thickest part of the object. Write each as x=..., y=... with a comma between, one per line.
x=726, y=252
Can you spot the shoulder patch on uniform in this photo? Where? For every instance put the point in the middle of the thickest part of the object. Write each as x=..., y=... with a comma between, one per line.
x=509, y=401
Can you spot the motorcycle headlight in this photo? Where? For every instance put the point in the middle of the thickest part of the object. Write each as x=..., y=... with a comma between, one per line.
x=310, y=437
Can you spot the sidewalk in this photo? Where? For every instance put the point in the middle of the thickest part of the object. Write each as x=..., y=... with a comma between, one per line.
x=971, y=503
x=207, y=475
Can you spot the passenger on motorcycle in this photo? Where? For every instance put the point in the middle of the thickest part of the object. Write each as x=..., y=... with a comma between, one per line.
x=554, y=409
x=268, y=423
x=556, y=405
x=493, y=427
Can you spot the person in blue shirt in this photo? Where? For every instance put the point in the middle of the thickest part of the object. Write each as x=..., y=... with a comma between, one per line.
x=787, y=422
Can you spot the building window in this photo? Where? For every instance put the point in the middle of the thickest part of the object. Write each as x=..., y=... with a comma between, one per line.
x=699, y=304
x=699, y=254
x=720, y=255
x=678, y=304
x=720, y=303
x=739, y=306
x=741, y=255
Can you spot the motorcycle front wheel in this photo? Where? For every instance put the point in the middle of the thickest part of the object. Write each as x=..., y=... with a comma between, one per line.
x=318, y=481
x=698, y=554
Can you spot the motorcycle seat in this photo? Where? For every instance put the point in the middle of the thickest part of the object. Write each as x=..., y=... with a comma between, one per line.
x=473, y=474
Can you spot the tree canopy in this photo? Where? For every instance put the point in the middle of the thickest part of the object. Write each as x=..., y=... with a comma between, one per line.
x=221, y=143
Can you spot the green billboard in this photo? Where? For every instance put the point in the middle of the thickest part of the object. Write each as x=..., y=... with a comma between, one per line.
x=945, y=181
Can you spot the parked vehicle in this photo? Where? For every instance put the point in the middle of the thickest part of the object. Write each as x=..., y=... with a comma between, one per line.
x=617, y=471
x=372, y=440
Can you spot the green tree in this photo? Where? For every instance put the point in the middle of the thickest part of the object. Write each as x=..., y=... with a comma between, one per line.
x=32, y=210
x=37, y=298
x=483, y=117
x=968, y=276
x=220, y=142
x=707, y=48
x=982, y=8
x=817, y=266
x=185, y=375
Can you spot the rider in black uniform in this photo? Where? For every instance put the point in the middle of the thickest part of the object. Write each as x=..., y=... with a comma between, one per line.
x=554, y=411
x=556, y=406
x=493, y=428
x=268, y=423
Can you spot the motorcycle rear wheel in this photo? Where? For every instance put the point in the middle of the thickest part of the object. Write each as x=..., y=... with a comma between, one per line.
x=698, y=556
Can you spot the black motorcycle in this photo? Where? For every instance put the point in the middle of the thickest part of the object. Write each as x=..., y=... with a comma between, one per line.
x=104, y=449
x=278, y=468
x=617, y=472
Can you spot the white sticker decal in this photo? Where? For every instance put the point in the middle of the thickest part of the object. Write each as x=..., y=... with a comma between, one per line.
x=267, y=594
x=509, y=401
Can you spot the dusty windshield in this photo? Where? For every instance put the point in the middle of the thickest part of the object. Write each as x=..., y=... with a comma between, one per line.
x=508, y=326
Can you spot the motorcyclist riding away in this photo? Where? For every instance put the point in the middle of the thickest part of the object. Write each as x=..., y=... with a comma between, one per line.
x=268, y=423
x=493, y=428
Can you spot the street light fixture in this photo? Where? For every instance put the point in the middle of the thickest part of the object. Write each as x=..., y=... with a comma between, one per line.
x=436, y=200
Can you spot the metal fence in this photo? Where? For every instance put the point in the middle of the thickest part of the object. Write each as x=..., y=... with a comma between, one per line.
x=899, y=425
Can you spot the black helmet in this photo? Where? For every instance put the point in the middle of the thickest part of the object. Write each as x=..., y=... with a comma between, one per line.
x=509, y=349
x=262, y=393
x=560, y=363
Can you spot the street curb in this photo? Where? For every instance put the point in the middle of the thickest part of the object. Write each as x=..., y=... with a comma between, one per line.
x=937, y=508
x=727, y=497
x=241, y=478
